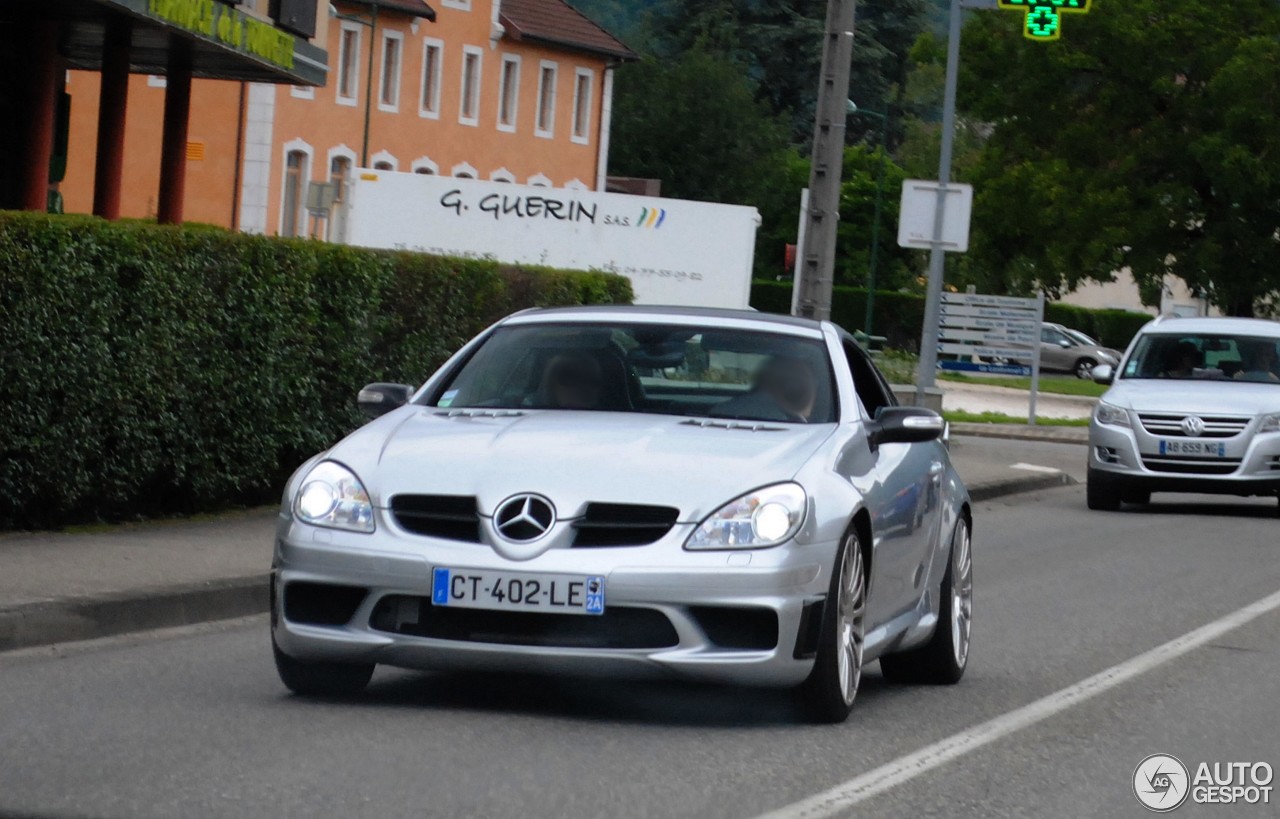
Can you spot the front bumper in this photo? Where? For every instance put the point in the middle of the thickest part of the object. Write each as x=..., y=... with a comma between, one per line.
x=695, y=615
x=1249, y=463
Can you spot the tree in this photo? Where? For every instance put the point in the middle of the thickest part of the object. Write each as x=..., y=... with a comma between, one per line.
x=779, y=44
x=694, y=123
x=1148, y=137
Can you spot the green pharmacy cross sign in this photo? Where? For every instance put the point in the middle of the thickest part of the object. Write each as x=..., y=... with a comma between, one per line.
x=1044, y=17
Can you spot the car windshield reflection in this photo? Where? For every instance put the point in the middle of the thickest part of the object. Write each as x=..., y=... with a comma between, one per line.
x=1204, y=357
x=645, y=368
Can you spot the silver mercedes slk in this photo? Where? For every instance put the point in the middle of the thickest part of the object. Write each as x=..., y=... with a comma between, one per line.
x=706, y=494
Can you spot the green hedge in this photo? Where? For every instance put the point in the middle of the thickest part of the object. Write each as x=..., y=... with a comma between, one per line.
x=152, y=370
x=899, y=316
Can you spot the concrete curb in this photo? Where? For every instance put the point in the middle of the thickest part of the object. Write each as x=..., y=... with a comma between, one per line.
x=1023, y=432
x=88, y=618
x=1004, y=487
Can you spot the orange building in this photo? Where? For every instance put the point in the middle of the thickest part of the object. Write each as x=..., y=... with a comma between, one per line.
x=509, y=90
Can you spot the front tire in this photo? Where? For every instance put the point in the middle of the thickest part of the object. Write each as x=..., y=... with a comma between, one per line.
x=1084, y=368
x=1102, y=493
x=321, y=679
x=827, y=696
x=943, y=660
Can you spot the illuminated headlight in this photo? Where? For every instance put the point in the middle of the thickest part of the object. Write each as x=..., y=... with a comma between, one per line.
x=1112, y=415
x=332, y=496
x=1270, y=423
x=757, y=520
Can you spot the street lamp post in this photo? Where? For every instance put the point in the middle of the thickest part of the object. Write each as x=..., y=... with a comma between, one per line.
x=875, y=223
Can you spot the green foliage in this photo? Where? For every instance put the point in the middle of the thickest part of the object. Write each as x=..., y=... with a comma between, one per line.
x=694, y=123
x=1146, y=138
x=899, y=316
x=153, y=370
x=963, y=417
x=1051, y=384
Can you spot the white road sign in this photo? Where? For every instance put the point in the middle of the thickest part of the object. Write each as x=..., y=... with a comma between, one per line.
x=916, y=215
x=992, y=334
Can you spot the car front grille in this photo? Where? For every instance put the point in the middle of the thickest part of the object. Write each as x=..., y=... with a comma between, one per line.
x=448, y=517
x=622, y=524
x=620, y=627
x=1169, y=425
x=1184, y=465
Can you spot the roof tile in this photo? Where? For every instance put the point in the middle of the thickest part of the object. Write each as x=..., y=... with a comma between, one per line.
x=556, y=23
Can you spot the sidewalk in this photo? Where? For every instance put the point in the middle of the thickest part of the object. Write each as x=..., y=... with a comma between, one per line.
x=58, y=587
x=959, y=395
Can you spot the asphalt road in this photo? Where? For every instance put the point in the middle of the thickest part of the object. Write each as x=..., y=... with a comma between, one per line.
x=195, y=723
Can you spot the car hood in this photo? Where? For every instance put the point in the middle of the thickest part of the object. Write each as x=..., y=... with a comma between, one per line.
x=1192, y=396
x=574, y=458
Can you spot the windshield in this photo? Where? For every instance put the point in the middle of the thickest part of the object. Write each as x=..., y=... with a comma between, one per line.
x=1081, y=338
x=667, y=370
x=1215, y=357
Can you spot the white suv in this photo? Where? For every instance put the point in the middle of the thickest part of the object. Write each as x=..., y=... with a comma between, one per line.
x=1194, y=407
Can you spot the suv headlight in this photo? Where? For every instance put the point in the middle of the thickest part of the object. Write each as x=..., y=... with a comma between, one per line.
x=1112, y=415
x=1270, y=423
x=757, y=520
x=332, y=496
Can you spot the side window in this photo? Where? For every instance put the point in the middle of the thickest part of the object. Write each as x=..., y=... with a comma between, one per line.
x=867, y=382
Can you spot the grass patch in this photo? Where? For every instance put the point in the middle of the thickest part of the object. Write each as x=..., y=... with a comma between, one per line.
x=1055, y=384
x=962, y=417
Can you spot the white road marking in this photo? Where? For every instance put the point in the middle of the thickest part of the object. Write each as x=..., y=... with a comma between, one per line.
x=1035, y=468
x=875, y=782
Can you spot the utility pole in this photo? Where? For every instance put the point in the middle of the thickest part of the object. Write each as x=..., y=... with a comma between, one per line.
x=817, y=262
x=937, y=256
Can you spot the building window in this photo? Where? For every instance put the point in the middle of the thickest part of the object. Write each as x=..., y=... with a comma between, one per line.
x=546, y=123
x=460, y=5
x=348, y=64
x=293, y=196
x=432, y=60
x=583, y=81
x=392, y=49
x=539, y=180
x=425, y=165
x=469, y=110
x=463, y=170
x=385, y=161
x=509, y=93
x=303, y=92
x=339, y=174
x=383, y=165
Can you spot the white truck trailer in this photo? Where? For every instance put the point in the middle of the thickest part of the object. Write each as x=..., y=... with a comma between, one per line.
x=674, y=251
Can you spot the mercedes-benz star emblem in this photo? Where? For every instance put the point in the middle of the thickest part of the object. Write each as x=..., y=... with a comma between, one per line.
x=1192, y=426
x=524, y=518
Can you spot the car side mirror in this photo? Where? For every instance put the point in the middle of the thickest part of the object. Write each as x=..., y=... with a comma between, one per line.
x=1104, y=374
x=905, y=425
x=376, y=400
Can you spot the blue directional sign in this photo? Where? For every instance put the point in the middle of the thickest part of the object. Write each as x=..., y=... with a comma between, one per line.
x=1044, y=17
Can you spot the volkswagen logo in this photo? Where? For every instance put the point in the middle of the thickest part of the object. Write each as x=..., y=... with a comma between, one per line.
x=524, y=518
x=1192, y=426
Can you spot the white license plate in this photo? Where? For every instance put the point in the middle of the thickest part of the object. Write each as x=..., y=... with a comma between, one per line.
x=1201, y=449
x=512, y=591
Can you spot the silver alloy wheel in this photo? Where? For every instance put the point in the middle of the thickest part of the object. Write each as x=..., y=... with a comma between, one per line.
x=1084, y=368
x=851, y=609
x=961, y=592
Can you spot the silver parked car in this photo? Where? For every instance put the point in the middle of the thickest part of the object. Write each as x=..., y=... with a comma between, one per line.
x=1067, y=350
x=1194, y=407
x=706, y=494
